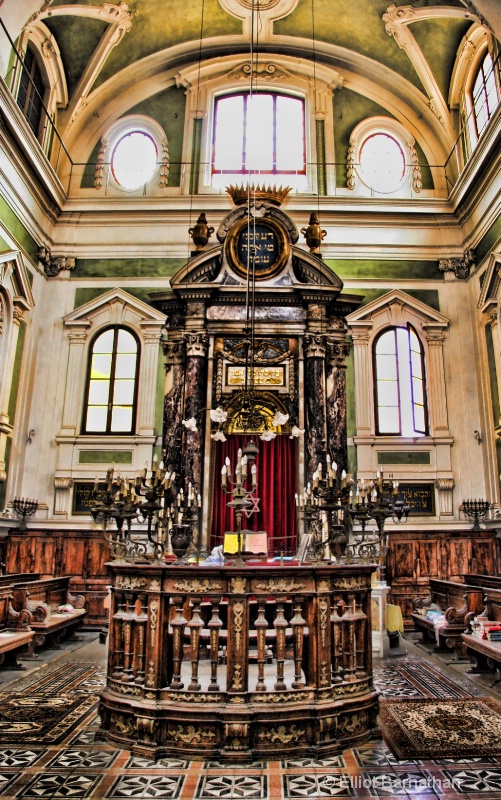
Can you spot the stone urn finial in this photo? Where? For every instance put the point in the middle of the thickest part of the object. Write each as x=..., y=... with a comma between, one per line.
x=313, y=233
x=201, y=233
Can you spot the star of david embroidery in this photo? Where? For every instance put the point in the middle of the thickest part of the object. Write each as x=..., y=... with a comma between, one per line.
x=250, y=510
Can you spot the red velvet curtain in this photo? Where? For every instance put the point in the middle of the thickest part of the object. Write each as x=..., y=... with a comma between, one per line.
x=276, y=487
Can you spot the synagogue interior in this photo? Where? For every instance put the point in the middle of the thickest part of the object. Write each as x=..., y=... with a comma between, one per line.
x=250, y=414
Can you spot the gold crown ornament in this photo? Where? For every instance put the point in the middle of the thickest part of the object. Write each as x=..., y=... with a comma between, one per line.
x=274, y=194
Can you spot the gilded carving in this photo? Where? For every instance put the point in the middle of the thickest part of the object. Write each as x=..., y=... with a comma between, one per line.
x=195, y=697
x=122, y=724
x=237, y=677
x=123, y=688
x=154, y=585
x=237, y=699
x=280, y=586
x=324, y=586
x=282, y=734
x=238, y=585
x=351, y=583
x=238, y=619
x=197, y=587
x=128, y=582
x=324, y=608
x=151, y=672
x=280, y=697
x=190, y=734
x=153, y=621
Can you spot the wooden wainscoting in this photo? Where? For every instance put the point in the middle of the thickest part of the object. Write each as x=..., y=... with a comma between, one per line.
x=80, y=554
x=416, y=556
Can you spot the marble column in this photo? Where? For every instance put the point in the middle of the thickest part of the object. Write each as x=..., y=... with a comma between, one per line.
x=195, y=390
x=315, y=400
x=174, y=351
x=337, y=441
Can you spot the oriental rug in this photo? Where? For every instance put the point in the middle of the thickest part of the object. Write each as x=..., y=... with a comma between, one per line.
x=426, y=729
x=41, y=719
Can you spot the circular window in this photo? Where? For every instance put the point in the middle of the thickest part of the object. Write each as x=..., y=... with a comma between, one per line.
x=134, y=160
x=382, y=163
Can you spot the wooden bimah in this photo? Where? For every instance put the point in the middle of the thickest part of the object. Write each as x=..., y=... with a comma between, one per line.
x=223, y=699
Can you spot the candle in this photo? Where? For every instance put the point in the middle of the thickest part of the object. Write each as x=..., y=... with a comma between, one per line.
x=96, y=483
x=199, y=500
x=254, y=475
x=224, y=475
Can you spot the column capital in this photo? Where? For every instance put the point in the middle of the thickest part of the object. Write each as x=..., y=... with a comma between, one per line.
x=315, y=345
x=196, y=343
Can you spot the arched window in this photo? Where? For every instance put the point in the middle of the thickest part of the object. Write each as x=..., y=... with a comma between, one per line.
x=31, y=92
x=382, y=163
x=484, y=94
x=400, y=383
x=112, y=383
x=259, y=134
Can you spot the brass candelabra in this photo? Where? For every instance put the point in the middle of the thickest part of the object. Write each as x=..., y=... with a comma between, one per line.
x=240, y=487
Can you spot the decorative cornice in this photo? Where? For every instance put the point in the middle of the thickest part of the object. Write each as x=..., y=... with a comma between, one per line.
x=265, y=72
x=52, y=265
x=461, y=267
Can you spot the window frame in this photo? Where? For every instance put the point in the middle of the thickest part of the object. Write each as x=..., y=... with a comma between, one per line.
x=256, y=174
x=108, y=432
x=419, y=434
x=32, y=91
x=476, y=72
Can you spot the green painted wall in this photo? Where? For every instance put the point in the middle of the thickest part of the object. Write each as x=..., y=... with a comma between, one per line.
x=385, y=270
x=488, y=241
x=357, y=25
x=85, y=295
x=428, y=296
x=439, y=40
x=350, y=108
x=126, y=268
x=77, y=39
x=492, y=375
x=158, y=25
x=16, y=374
x=18, y=231
x=168, y=109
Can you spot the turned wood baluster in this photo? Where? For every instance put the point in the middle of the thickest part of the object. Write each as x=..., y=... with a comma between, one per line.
x=337, y=643
x=195, y=625
x=141, y=621
x=349, y=639
x=127, y=633
x=261, y=624
x=280, y=625
x=215, y=626
x=360, y=628
x=297, y=624
x=117, y=651
x=178, y=624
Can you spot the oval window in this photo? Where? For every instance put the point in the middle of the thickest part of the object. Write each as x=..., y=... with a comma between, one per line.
x=382, y=163
x=134, y=160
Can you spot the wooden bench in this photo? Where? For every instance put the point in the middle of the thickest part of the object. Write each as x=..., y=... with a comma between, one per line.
x=15, y=633
x=485, y=581
x=484, y=654
x=43, y=599
x=454, y=601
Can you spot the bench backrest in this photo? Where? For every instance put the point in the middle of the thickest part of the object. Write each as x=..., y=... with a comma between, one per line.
x=449, y=594
x=487, y=581
x=15, y=577
x=492, y=599
x=51, y=591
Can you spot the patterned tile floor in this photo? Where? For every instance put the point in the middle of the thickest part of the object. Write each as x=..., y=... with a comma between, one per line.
x=80, y=767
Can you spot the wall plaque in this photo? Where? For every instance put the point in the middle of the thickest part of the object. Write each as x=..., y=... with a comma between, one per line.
x=263, y=376
x=263, y=243
x=420, y=497
x=82, y=498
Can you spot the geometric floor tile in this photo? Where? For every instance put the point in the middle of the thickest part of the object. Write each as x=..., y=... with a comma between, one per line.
x=69, y=759
x=232, y=786
x=255, y=765
x=298, y=763
x=139, y=762
x=393, y=784
x=5, y=779
x=316, y=786
x=161, y=786
x=469, y=781
x=59, y=786
x=17, y=757
x=378, y=757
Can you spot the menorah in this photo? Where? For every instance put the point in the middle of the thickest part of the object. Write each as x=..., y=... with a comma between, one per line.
x=24, y=508
x=476, y=509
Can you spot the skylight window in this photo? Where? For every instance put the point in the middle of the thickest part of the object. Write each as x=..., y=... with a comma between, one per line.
x=382, y=163
x=134, y=160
